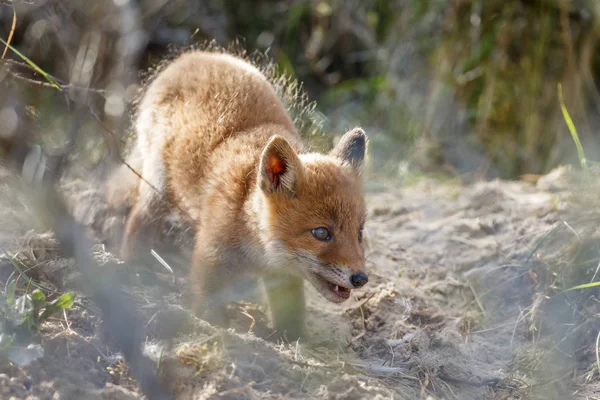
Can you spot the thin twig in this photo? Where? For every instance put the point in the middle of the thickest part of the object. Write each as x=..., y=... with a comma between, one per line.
x=38, y=83
x=379, y=369
x=514, y=332
x=253, y=323
x=363, y=303
x=161, y=261
x=160, y=356
x=66, y=320
x=304, y=381
x=595, y=273
x=30, y=81
x=237, y=390
x=478, y=301
x=571, y=229
x=597, y=354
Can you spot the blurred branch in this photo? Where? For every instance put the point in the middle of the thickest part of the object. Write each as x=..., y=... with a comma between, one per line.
x=111, y=134
x=120, y=317
x=41, y=172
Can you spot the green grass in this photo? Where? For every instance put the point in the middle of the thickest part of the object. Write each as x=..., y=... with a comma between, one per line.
x=32, y=65
x=572, y=129
x=24, y=315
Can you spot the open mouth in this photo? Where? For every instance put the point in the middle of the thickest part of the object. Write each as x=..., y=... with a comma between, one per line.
x=341, y=291
x=330, y=290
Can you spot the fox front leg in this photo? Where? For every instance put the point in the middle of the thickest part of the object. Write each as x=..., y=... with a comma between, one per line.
x=209, y=291
x=287, y=304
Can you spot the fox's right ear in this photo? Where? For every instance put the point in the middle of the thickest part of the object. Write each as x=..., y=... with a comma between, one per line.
x=280, y=168
x=351, y=148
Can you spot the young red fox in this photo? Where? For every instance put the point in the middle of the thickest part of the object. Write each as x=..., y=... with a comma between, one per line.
x=214, y=139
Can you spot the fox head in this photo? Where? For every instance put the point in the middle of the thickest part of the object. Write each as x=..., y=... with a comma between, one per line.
x=312, y=213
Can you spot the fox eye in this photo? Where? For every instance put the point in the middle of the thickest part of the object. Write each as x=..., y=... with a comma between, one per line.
x=360, y=235
x=321, y=234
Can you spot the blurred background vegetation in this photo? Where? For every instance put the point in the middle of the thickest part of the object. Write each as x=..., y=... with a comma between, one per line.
x=463, y=87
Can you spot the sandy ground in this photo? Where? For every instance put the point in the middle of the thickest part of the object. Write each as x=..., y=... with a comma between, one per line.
x=441, y=318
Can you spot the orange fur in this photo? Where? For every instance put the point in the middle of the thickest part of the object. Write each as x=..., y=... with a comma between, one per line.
x=217, y=142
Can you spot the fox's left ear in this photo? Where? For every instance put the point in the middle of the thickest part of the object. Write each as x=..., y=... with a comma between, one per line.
x=351, y=148
x=280, y=167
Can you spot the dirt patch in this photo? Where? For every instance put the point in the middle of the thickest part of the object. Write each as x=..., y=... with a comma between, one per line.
x=442, y=316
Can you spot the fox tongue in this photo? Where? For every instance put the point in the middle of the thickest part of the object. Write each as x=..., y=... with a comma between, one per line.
x=341, y=291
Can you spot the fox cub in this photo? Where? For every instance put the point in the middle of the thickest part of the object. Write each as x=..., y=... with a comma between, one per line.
x=214, y=139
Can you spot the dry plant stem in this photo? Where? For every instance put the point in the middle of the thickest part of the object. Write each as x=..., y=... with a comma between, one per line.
x=237, y=390
x=597, y=354
x=18, y=77
x=12, y=31
x=63, y=86
x=478, y=301
x=380, y=369
x=595, y=273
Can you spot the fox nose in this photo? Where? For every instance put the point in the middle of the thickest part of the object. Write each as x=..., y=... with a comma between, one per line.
x=359, y=280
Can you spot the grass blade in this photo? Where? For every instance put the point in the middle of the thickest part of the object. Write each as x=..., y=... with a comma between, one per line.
x=584, y=286
x=33, y=65
x=539, y=243
x=12, y=31
x=571, y=127
x=15, y=262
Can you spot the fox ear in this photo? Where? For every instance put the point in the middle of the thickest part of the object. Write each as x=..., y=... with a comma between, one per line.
x=280, y=168
x=351, y=148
